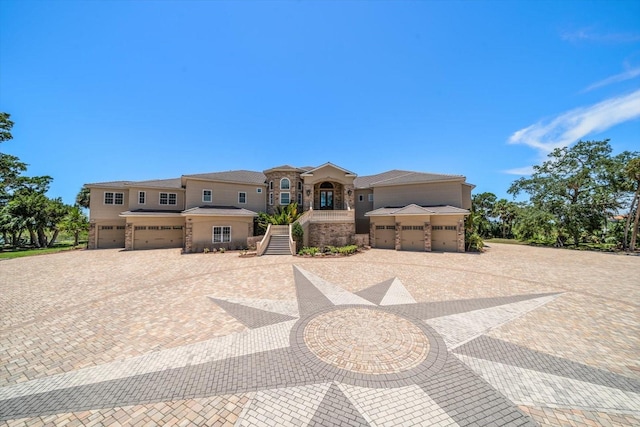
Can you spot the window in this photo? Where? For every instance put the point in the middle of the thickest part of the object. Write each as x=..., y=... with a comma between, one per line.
x=142, y=196
x=153, y=227
x=177, y=227
x=412, y=227
x=113, y=198
x=140, y=227
x=165, y=227
x=242, y=197
x=300, y=199
x=207, y=196
x=120, y=227
x=361, y=198
x=168, y=199
x=106, y=227
x=284, y=198
x=299, y=185
x=436, y=227
x=391, y=227
x=284, y=184
x=270, y=185
x=379, y=227
x=450, y=227
x=371, y=197
x=258, y=190
x=221, y=234
x=270, y=199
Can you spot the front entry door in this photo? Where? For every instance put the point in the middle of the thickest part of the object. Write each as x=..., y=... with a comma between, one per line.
x=326, y=199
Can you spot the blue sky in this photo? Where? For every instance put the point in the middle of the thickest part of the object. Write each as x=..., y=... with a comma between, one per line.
x=136, y=90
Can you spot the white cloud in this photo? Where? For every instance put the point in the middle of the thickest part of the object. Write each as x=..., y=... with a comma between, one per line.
x=575, y=124
x=627, y=75
x=527, y=170
x=588, y=34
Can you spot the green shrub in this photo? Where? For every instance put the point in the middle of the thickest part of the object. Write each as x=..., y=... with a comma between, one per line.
x=313, y=251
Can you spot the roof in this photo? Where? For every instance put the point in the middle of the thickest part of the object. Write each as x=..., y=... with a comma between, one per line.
x=219, y=211
x=160, y=183
x=237, y=176
x=414, y=209
x=109, y=184
x=397, y=177
x=310, y=171
x=285, y=168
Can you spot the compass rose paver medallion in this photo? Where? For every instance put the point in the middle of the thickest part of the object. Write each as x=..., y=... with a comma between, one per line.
x=332, y=357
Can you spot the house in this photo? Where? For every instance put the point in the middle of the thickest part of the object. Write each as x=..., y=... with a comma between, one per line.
x=401, y=210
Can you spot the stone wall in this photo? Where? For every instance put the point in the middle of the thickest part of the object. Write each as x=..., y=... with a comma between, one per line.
x=427, y=236
x=252, y=241
x=275, y=177
x=92, y=243
x=461, y=235
x=361, y=240
x=128, y=236
x=331, y=234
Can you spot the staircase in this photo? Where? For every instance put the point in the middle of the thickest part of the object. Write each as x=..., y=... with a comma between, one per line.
x=278, y=245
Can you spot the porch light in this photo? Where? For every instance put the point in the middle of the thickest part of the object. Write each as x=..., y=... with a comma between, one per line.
x=308, y=192
x=349, y=192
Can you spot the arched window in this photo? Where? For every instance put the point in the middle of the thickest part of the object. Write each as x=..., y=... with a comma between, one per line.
x=326, y=185
x=284, y=184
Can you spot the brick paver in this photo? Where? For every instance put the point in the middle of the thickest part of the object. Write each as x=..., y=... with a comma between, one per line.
x=154, y=337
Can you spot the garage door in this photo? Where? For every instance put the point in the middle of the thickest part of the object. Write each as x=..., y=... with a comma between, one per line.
x=386, y=236
x=444, y=238
x=412, y=238
x=110, y=236
x=157, y=237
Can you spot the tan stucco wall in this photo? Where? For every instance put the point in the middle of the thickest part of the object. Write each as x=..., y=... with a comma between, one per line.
x=152, y=199
x=431, y=194
x=225, y=194
x=466, y=197
x=202, y=228
x=99, y=211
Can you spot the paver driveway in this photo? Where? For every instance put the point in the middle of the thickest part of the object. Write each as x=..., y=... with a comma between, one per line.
x=516, y=336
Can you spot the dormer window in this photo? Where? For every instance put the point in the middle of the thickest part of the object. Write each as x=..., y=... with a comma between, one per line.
x=285, y=184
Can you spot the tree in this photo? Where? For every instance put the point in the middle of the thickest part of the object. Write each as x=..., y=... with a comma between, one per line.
x=75, y=222
x=5, y=127
x=483, y=205
x=83, y=197
x=506, y=212
x=575, y=186
x=632, y=171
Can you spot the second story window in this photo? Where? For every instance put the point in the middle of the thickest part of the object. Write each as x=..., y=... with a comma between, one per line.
x=168, y=199
x=270, y=199
x=142, y=197
x=284, y=184
x=207, y=196
x=285, y=198
x=111, y=198
x=242, y=197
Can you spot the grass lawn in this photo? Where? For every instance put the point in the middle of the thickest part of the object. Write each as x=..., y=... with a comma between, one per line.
x=21, y=252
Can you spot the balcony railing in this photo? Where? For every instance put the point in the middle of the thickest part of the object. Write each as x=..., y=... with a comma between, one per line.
x=332, y=216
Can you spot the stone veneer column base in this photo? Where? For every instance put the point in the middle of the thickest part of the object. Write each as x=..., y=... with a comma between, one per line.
x=427, y=237
x=92, y=243
x=128, y=237
x=372, y=234
x=461, y=235
x=398, y=236
x=188, y=236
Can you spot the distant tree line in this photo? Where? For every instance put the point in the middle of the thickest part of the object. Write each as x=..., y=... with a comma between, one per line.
x=582, y=195
x=27, y=216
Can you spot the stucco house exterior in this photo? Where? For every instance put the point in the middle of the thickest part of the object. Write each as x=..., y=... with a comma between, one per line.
x=401, y=210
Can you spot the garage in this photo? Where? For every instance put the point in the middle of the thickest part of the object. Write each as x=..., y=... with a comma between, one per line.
x=157, y=236
x=412, y=238
x=386, y=236
x=444, y=238
x=110, y=236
